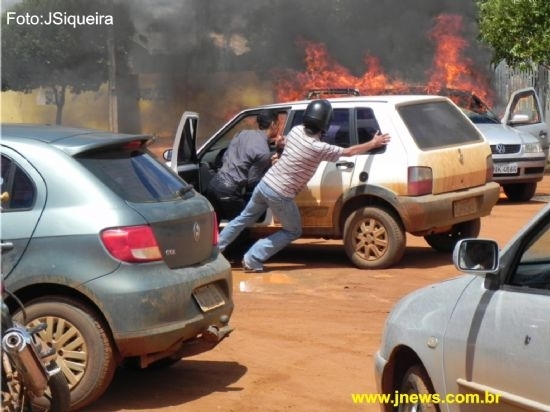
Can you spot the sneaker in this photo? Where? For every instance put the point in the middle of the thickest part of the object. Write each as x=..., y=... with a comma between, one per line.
x=248, y=269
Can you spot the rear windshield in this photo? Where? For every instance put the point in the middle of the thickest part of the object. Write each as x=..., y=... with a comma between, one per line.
x=135, y=175
x=436, y=124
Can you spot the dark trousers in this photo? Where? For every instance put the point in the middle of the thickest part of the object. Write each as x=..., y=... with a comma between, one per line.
x=227, y=198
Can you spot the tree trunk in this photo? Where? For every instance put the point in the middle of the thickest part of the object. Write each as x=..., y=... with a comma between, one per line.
x=59, y=94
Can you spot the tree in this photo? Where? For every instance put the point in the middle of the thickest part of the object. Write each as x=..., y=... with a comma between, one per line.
x=61, y=45
x=517, y=30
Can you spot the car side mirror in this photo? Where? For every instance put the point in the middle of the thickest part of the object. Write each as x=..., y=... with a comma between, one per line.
x=167, y=155
x=476, y=255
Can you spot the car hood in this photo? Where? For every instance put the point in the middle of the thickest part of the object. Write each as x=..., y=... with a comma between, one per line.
x=424, y=312
x=504, y=134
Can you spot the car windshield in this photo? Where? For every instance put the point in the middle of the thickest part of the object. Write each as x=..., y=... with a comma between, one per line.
x=475, y=108
x=135, y=175
x=479, y=118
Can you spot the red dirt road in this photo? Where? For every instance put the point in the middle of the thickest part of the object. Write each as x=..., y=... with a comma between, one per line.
x=305, y=332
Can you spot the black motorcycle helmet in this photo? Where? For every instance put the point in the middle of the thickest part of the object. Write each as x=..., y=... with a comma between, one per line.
x=317, y=116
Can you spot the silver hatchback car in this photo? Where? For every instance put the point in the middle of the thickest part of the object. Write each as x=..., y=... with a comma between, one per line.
x=480, y=341
x=112, y=250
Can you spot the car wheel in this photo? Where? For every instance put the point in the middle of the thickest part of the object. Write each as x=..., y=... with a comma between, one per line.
x=84, y=351
x=416, y=382
x=445, y=242
x=520, y=192
x=373, y=238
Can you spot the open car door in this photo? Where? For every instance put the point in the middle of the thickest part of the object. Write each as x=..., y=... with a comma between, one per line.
x=524, y=112
x=183, y=158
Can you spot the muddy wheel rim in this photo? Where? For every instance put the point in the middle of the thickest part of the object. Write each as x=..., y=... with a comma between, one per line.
x=69, y=344
x=370, y=239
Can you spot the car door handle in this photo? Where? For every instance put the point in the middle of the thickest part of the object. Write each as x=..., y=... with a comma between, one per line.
x=345, y=165
x=543, y=134
x=6, y=246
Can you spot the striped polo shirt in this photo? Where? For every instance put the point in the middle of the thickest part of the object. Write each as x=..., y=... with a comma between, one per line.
x=299, y=161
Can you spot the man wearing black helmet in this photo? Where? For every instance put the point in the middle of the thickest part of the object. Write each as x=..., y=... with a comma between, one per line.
x=302, y=154
x=245, y=161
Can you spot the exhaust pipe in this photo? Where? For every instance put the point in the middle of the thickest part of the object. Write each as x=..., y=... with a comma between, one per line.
x=18, y=344
x=215, y=334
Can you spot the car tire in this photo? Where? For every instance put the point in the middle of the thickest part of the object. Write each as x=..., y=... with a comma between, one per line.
x=84, y=351
x=373, y=238
x=520, y=192
x=416, y=382
x=445, y=242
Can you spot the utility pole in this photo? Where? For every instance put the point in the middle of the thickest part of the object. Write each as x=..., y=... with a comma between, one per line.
x=112, y=93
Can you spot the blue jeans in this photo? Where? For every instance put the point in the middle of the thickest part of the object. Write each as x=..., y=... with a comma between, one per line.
x=284, y=209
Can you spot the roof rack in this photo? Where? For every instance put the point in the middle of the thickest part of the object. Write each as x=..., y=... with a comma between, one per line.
x=316, y=93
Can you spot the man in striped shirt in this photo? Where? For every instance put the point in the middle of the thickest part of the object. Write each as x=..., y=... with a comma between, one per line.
x=277, y=189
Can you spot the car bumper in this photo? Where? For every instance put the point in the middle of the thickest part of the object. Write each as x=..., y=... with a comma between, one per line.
x=423, y=215
x=379, y=364
x=151, y=308
x=519, y=170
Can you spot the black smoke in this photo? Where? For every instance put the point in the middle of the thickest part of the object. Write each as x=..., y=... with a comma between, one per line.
x=191, y=54
x=198, y=36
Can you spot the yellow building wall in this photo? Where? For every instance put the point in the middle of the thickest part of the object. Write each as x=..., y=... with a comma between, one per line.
x=88, y=109
x=216, y=97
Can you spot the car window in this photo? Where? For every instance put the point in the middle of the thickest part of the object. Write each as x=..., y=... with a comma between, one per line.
x=136, y=176
x=367, y=126
x=246, y=123
x=533, y=269
x=17, y=186
x=338, y=132
x=526, y=108
x=213, y=155
x=437, y=124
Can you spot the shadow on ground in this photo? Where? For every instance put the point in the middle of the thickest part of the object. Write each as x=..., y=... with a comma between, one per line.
x=320, y=254
x=178, y=384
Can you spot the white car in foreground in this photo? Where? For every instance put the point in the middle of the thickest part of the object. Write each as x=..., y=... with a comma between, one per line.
x=477, y=342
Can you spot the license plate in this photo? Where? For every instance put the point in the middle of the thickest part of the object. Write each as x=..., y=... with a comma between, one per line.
x=505, y=168
x=209, y=297
x=464, y=207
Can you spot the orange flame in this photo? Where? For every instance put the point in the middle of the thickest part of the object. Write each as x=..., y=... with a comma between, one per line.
x=450, y=69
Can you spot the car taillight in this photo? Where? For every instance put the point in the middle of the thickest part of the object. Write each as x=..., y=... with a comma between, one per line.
x=489, y=173
x=215, y=233
x=136, y=144
x=420, y=181
x=132, y=244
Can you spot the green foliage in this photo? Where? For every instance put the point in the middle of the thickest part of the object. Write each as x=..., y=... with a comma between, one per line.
x=517, y=30
x=43, y=45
